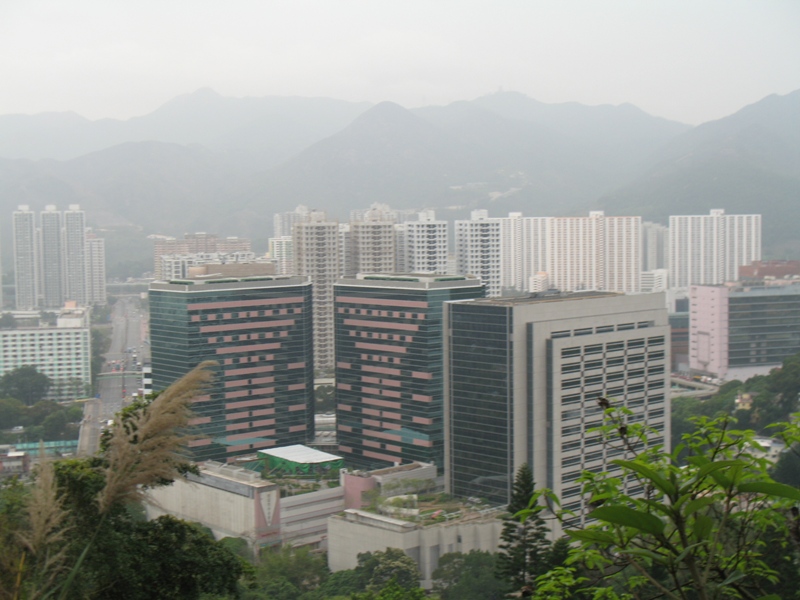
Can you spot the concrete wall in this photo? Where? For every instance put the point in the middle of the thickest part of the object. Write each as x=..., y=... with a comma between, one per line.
x=304, y=518
x=357, y=531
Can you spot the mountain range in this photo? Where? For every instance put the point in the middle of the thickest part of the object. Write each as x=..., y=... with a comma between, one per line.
x=204, y=162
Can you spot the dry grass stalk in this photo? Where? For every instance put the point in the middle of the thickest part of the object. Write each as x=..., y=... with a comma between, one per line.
x=144, y=450
x=46, y=528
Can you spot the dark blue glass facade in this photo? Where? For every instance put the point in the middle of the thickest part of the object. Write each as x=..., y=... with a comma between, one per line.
x=260, y=335
x=389, y=370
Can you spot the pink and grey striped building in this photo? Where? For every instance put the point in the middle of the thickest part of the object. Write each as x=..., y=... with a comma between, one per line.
x=389, y=369
x=259, y=331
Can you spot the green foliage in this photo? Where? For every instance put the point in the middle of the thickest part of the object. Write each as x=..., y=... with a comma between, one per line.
x=342, y=583
x=379, y=567
x=81, y=534
x=697, y=530
x=468, y=577
x=325, y=396
x=774, y=397
x=26, y=384
x=524, y=545
x=11, y=412
x=299, y=567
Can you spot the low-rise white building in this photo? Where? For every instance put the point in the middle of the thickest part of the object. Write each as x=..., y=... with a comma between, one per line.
x=235, y=502
x=63, y=352
x=357, y=531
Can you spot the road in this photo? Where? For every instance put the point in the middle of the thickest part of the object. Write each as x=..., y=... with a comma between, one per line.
x=121, y=375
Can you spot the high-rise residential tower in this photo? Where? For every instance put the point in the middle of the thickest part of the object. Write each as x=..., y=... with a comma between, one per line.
x=317, y=256
x=26, y=267
x=259, y=331
x=51, y=258
x=373, y=241
x=75, y=255
x=522, y=382
x=389, y=368
x=478, y=249
x=709, y=249
x=425, y=245
x=594, y=253
x=95, y=270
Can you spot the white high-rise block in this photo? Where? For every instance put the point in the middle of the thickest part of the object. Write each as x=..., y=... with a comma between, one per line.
x=709, y=249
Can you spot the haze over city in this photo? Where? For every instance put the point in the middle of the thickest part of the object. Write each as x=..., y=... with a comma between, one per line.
x=682, y=60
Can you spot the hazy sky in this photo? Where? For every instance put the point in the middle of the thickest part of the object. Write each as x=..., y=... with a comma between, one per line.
x=689, y=60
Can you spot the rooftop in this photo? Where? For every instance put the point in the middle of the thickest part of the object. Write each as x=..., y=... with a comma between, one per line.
x=300, y=454
x=541, y=297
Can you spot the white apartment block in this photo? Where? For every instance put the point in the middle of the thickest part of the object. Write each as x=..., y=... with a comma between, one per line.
x=523, y=250
x=373, y=244
x=478, y=250
x=281, y=250
x=51, y=258
x=63, y=352
x=424, y=245
x=594, y=253
x=318, y=256
x=57, y=262
x=709, y=249
x=26, y=267
x=283, y=223
x=95, y=270
x=75, y=255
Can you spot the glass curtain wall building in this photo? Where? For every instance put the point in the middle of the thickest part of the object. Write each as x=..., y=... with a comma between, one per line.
x=522, y=380
x=259, y=331
x=389, y=366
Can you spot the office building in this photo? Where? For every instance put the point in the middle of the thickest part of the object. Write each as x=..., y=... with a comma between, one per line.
x=739, y=332
x=389, y=370
x=478, y=249
x=709, y=249
x=522, y=379
x=26, y=267
x=259, y=331
x=51, y=258
x=63, y=353
x=75, y=255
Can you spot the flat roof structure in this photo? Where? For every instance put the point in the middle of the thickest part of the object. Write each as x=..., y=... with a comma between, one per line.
x=300, y=454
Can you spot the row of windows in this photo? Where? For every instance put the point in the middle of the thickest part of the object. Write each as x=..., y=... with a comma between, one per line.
x=602, y=329
x=611, y=346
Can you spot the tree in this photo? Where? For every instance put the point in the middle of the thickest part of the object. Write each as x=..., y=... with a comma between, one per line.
x=468, y=576
x=376, y=569
x=81, y=536
x=302, y=569
x=11, y=413
x=26, y=384
x=524, y=545
x=694, y=531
